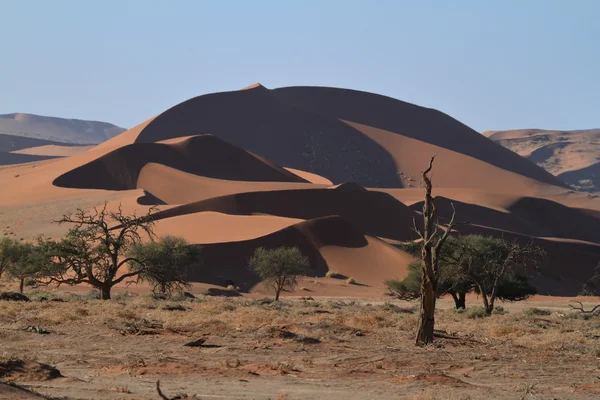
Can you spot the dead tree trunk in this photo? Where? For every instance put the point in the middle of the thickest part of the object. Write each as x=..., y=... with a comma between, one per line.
x=432, y=242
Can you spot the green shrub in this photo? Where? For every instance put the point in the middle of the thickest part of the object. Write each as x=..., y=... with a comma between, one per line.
x=537, y=311
x=476, y=312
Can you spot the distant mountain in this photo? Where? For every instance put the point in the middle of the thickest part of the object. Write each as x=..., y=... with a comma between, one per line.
x=573, y=156
x=73, y=131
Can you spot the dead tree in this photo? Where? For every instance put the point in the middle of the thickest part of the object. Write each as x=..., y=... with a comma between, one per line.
x=582, y=309
x=94, y=250
x=431, y=245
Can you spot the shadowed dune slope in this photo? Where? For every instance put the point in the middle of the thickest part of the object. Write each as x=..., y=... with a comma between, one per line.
x=375, y=213
x=12, y=158
x=255, y=120
x=567, y=265
x=9, y=143
x=528, y=216
x=424, y=124
x=202, y=155
x=228, y=261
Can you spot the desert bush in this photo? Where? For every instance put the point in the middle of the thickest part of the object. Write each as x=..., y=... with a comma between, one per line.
x=350, y=281
x=334, y=275
x=537, y=311
x=279, y=268
x=476, y=312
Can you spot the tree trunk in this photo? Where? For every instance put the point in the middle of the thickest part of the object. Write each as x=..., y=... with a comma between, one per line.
x=462, y=301
x=105, y=292
x=277, y=292
x=486, y=304
x=21, y=284
x=426, y=313
x=459, y=299
x=489, y=308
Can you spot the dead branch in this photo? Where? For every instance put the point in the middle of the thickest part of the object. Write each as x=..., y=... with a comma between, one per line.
x=582, y=309
x=160, y=393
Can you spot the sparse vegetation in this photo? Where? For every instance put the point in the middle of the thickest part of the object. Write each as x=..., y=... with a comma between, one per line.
x=165, y=263
x=95, y=248
x=279, y=268
x=334, y=275
x=28, y=261
x=491, y=267
x=350, y=281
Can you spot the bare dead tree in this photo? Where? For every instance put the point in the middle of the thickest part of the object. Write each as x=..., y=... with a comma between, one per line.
x=431, y=246
x=582, y=309
x=95, y=248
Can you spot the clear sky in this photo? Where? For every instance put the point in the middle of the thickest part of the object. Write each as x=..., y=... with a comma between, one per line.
x=491, y=64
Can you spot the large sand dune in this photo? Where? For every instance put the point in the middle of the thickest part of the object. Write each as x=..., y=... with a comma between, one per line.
x=334, y=172
x=203, y=155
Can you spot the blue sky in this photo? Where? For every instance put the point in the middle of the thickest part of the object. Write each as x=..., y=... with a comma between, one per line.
x=491, y=64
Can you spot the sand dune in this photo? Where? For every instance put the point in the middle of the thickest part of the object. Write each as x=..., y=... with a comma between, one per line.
x=165, y=183
x=12, y=158
x=333, y=234
x=255, y=120
x=528, y=216
x=54, y=150
x=375, y=213
x=420, y=123
x=572, y=156
x=203, y=155
x=221, y=228
x=57, y=129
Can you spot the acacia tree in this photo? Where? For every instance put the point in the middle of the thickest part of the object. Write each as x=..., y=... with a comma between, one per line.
x=279, y=268
x=498, y=268
x=451, y=280
x=469, y=262
x=28, y=260
x=166, y=262
x=95, y=248
x=432, y=242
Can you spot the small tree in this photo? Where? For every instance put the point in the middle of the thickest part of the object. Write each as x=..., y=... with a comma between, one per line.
x=27, y=261
x=94, y=250
x=165, y=263
x=498, y=268
x=279, y=268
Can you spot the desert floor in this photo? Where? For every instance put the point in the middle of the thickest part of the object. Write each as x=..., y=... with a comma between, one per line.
x=299, y=348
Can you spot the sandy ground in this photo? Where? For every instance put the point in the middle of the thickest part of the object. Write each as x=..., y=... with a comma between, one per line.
x=334, y=348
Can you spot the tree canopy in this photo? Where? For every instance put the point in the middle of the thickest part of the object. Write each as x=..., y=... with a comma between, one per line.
x=279, y=268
